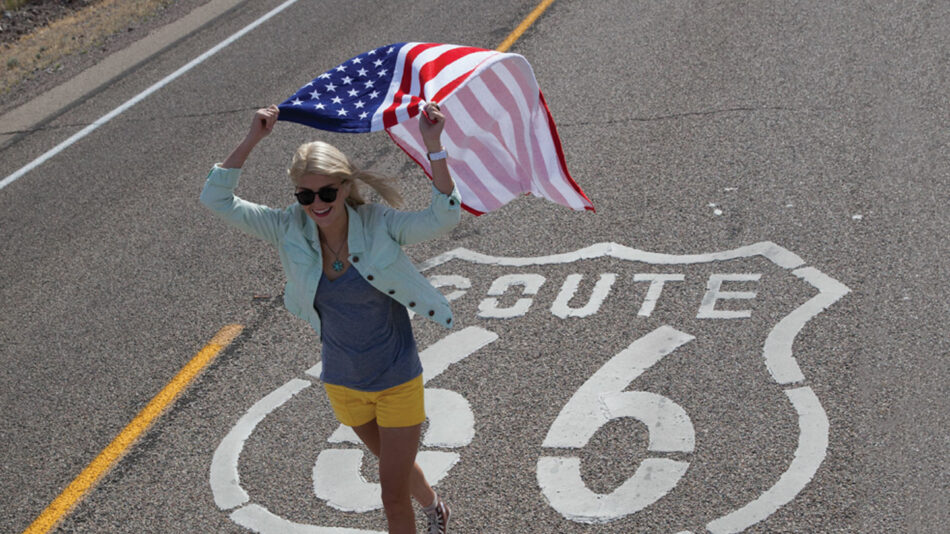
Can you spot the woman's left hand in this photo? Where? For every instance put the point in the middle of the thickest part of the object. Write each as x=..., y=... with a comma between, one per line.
x=431, y=123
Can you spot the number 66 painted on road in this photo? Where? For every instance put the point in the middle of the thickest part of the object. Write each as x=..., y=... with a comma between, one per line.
x=600, y=400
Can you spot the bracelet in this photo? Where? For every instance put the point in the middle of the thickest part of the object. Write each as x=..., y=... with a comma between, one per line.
x=436, y=156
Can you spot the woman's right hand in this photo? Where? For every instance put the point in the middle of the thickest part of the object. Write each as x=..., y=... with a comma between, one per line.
x=264, y=120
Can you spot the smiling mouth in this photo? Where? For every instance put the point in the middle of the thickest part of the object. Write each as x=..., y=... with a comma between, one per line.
x=321, y=213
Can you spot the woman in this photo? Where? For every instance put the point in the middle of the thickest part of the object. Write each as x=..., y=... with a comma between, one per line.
x=347, y=276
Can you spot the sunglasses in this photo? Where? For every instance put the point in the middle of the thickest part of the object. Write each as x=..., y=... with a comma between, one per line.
x=306, y=197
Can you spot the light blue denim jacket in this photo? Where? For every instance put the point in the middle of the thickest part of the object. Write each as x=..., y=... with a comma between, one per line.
x=376, y=235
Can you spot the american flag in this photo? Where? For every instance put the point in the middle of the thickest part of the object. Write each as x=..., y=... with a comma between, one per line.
x=499, y=135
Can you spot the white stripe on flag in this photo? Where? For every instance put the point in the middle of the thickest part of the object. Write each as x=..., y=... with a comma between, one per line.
x=412, y=146
x=455, y=69
x=402, y=111
x=523, y=102
x=533, y=179
x=472, y=169
x=475, y=161
x=466, y=127
x=555, y=186
x=496, y=111
x=393, y=86
x=476, y=170
x=421, y=60
x=408, y=138
x=559, y=178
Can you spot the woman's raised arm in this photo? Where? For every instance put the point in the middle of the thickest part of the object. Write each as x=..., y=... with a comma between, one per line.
x=431, y=123
x=261, y=127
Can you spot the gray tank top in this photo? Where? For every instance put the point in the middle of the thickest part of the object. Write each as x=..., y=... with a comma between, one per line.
x=367, y=336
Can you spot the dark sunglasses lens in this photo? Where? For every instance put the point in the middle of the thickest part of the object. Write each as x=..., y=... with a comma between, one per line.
x=327, y=194
x=305, y=197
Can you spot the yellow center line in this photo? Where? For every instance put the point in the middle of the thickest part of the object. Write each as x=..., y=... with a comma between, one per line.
x=525, y=24
x=115, y=450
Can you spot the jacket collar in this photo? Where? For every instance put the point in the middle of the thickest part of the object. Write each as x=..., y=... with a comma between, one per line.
x=355, y=242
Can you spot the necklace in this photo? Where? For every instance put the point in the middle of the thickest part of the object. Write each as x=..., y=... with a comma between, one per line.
x=337, y=265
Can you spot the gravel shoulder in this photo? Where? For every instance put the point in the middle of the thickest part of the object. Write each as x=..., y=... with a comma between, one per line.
x=47, y=43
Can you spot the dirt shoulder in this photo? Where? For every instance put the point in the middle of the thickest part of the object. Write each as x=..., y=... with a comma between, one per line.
x=57, y=39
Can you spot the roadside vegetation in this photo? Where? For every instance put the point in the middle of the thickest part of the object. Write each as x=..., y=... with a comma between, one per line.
x=36, y=35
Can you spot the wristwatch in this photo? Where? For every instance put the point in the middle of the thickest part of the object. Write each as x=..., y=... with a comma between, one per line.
x=436, y=156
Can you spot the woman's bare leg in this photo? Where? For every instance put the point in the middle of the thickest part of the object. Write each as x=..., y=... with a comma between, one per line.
x=421, y=490
x=397, y=459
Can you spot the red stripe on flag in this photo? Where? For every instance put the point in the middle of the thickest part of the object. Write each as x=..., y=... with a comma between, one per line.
x=528, y=93
x=399, y=143
x=560, y=154
x=451, y=86
x=405, y=87
x=498, y=181
x=432, y=69
x=508, y=103
x=488, y=122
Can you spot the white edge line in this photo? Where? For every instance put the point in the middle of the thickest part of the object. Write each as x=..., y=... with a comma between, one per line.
x=224, y=477
x=139, y=97
x=812, y=445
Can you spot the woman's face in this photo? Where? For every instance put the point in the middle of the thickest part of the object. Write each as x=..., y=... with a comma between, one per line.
x=325, y=214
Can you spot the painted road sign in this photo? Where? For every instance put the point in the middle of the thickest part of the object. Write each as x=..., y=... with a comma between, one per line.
x=500, y=290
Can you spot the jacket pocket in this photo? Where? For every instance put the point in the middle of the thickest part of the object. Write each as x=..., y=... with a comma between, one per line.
x=384, y=251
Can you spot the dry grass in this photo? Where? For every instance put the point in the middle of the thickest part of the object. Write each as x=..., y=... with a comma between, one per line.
x=76, y=33
x=10, y=5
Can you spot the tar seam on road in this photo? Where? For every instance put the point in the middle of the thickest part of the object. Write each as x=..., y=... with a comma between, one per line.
x=101, y=465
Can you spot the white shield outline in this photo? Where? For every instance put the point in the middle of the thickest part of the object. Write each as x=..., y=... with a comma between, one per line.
x=777, y=353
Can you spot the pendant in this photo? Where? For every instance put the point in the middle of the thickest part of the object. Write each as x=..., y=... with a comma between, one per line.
x=337, y=266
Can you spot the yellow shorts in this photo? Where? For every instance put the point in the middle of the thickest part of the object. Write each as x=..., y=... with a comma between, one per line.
x=398, y=406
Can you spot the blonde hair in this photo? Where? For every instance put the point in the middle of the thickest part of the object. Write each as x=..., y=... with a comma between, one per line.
x=318, y=157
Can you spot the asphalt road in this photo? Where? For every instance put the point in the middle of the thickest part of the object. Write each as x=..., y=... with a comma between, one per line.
x=787, y=163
